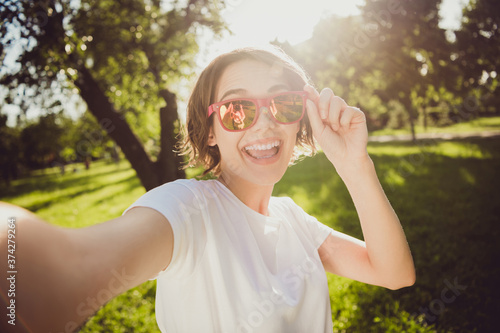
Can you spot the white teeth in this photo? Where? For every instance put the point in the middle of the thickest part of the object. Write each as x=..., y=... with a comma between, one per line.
x=263, y=147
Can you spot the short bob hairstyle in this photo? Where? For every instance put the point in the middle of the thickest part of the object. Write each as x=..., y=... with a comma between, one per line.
x=194, y=143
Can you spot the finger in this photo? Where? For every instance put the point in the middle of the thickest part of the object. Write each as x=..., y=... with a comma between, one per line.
x=347, y=115
x=324, y=102
x=314, y=119
x=313, y=96
x=312, y=93
x=359, y=116
x=337, y=105
x=335, y=112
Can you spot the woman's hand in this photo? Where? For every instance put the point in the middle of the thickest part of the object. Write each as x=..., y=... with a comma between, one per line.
x=339, y=128
x=384, y=258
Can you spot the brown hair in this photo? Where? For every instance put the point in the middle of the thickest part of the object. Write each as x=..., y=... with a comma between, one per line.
x=194, y=143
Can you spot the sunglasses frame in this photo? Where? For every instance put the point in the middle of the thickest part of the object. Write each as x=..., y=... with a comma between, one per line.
x=259, y=102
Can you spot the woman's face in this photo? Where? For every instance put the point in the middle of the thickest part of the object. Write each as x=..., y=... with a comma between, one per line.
x=261, y=154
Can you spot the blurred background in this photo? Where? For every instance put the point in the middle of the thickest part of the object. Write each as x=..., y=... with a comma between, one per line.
x=93, y=96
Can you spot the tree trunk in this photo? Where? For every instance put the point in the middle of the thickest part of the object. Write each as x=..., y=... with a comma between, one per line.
x=424, y=110
x=408, y=107
x=169, y=163
x=412, y=126
x=119, y=130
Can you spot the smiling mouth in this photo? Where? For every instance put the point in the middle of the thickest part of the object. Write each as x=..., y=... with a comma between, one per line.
x=260, y=151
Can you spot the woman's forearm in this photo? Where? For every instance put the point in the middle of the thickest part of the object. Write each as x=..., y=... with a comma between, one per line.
x=64, y=275
x=386, y=244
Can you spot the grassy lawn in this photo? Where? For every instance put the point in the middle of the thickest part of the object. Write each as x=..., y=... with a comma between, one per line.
x=445, y=194
x=476, y=125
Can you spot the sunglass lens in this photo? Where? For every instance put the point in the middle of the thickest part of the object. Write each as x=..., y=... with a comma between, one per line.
x=287, y=108
x=237, y=115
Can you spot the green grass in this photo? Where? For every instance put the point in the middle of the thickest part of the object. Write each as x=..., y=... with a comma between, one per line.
x=476, y=125
x=78, y=198
x=445, y=193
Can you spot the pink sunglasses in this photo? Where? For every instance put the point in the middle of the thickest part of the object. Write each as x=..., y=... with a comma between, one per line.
x=240, y=114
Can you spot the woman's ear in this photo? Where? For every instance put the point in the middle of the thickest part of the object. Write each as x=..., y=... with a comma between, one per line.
x=212, y=141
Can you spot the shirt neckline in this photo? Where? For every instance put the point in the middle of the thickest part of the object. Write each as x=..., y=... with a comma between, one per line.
x=271, y=219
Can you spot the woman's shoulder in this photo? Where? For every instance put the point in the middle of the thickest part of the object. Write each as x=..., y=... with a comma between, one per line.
x=289, y=208
x=182, y=185
x=175, y=197
x=282, y=202
x=285, y=205
x=178, y=183
x=180, y=189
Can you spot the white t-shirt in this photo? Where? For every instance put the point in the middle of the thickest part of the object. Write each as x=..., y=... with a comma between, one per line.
x=237, y=271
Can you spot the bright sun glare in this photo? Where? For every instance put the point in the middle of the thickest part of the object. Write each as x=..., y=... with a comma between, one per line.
x=257, y=22
x=287, y=20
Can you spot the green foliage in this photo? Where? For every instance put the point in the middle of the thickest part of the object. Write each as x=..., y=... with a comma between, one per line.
x=133, y=48
x=445, y=193
x=139, y=47
x=51, y=140
x=85, y=138
x=478, y=43
x=41, y=141
x=9, y=150
x=397, y=64
x=124, y=58
x=479, y=37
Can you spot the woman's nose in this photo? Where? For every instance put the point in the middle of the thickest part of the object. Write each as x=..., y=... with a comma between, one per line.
x=265, y=118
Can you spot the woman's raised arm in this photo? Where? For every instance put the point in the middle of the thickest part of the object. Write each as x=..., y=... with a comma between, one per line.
x=64, y=275
x=384, y=259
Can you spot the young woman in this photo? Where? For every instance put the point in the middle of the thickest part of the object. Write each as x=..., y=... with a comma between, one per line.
x=227, y=256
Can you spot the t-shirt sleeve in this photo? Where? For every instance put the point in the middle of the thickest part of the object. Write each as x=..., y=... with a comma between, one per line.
x=179, y=204
x=317, y=231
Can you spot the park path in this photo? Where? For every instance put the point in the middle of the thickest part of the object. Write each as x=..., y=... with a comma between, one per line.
x=434, y=136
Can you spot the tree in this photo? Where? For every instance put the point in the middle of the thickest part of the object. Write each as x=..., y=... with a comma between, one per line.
x=384, y=59
x=84, y=139
x=478, y=46
x=40, y=141
x=336, y=57
x=9, y=151
x=123, y=57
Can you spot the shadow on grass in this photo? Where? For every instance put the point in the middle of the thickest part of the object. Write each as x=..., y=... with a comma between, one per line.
x=55, y=181
x=448, y=209
x=84, y=191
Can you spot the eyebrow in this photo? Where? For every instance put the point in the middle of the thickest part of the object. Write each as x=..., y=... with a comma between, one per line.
x=233, y=92
x=242, y=91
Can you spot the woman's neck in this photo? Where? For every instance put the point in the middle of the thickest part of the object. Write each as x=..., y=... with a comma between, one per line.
x=253, y=195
